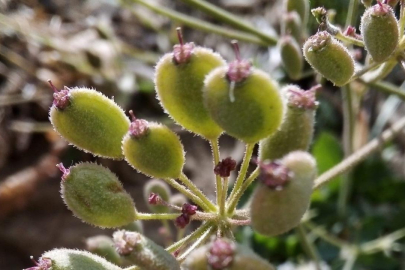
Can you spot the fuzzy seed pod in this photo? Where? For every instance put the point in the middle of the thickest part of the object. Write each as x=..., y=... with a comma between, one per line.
x=95, y=195
x=291, y=57
x=179, y=80
x=301, y=7
x=297, y=128
x=153, y=149
x=89, y=120
x=135, y=226
x=329, y=57
x=68, y=259
x=380, y=31
x=283, y=196
x=140, y=250
x=103, y=246
x=291, y=24
x=224, y=254
x=244, y=101
x=160, y=188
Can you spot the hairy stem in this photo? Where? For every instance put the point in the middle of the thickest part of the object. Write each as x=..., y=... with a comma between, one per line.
x=194, y=235
x=204, y=236
x=323, y=234
x=218, y=182
x=308, y=246
x=202, y=25
x=231, y=19
x=386, y=87
x=150, y=216
x=361, y=154
x=347, y=39
x=187, y=182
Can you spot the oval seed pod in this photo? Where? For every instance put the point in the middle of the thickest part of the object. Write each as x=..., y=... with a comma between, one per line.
x=103, y=246
x=297, y=128
x=89, y=120
x=135, y=226
x=291, y=24
x=95, y=195
x=283, y=196
x=68, y=259
x=153, y=149
x=291, y=57
x=380, y=31
x=179, y=80
x=224, y=254
x=301, y=7
x=329, y=57
x=143, y=252
x=178, y=200
x=160, y=188
x=244, y=101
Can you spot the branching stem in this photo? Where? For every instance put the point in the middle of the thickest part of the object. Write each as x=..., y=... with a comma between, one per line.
x=194, y=189
x=218, y=182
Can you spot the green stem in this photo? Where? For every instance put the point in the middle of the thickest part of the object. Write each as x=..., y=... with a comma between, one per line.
x=186, y=192
x=385, y=87
x=234, y=201
x=308, y=246
x=242, y=174
x=360, y=154
x=204, y=236
x=223, y=196
x=350, y=261
x=323, y=234
x=382, y=243
x=149, y=216
x=364, y=70
x=218, y=183
x=194, y=189
x=230, y=19
x=351, y=40
x=194, y=235
x=202, y=25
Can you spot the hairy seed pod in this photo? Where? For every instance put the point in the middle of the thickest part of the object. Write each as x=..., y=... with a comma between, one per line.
x=95, y=195
x=153, y=149
x=301, y=7
x=291, y=57
x=179, y=80
x=160, y=188
x=103, y=246
x=68, y=259
x=135, y=226
x=329, y=57
x=143, y=252
x=291, y=25
x=283, y=196
x=380, y=31
x=244, y=101
x=89, y=120
x=297, y=128
x=224, y=254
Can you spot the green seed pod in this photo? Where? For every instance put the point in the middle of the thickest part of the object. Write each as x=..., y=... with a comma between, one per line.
x=95, y=195
x=224, y=254
x=136, y=226
x=160, y=188
x=103, y=246
x=178, y=200
x=301, y=7
x=283, y=196
x=244, y=101
x=153, y=149
x=380, y=31
x=143, y=252
x=297, y=128
x=89, y=120
x=291, y=24
x=68, y=259
x=329, y=57
x=179, y=80
x=291, y=57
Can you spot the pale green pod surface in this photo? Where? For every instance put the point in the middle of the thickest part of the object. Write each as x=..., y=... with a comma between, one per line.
x=283, y=196
x=90, y=121
x=329, y=57
x=160, y=188
x=95, y=195
x=297, y=129
x=67, y=259
x=143, y=252
x=301, y=7
x=236, y=257
x=179, y=88
x=103, y=246
x=249, y=110
x=291, y=24
x=157, y=153
x=380, y=31
x=135, y=226
x=291, y=57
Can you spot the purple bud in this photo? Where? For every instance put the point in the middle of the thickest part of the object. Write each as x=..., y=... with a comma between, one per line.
x=274, y=174
x=63, y=170
x=154, y=199
x=42, y=264
x=189, y=209
x=238, y=70
x=182, y=52
x=302, y=99
x=380, y=9
x=125, y=242
x=138, y=127
x=61, y=99
x=221, y=253
x=224, y=167
x=182, y=221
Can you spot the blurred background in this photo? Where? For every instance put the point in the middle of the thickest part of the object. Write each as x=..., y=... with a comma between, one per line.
x=112, y=46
